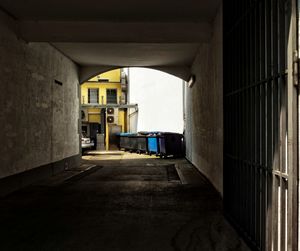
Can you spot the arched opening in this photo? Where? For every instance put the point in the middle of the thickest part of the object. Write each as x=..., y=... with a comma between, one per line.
x=130, y=100
x=88, y=72
x=48, y=48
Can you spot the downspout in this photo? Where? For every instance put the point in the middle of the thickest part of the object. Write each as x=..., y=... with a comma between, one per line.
x=298, y=47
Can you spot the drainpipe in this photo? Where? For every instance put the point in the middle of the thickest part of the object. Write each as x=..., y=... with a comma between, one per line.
x=298, y=47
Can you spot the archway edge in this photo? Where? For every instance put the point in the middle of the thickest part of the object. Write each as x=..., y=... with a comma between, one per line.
x=87, y=72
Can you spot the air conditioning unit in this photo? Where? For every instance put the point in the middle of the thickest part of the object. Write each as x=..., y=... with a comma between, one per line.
x=112, y=115
x=110, y=111
x=84, y=115
x=110, y=119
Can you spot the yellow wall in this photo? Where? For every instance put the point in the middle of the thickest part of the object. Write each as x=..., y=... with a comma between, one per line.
x=112, y=76
x=94, y=118
x=122, y=119
x=102, y=91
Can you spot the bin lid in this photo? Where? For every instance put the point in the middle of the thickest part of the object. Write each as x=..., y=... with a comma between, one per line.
x=137, y=136
x=152, y=136
x=149, y=133
x=143, y=133
x=123, y=134
x=170, y=134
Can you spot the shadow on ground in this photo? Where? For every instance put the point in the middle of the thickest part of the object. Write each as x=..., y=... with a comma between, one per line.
x=118, y=203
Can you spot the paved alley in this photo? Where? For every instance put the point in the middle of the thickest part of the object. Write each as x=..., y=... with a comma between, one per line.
x=118, y=201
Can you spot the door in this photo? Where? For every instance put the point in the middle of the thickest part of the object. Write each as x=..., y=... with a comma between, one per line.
x=260, y=122
x=113, y=131
x=94, y=129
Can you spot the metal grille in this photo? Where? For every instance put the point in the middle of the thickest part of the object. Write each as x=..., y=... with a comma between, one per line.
x=256, y=173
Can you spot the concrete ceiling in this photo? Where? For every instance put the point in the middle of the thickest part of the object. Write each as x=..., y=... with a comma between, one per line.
x=129, y=54
x=112, y=10
x=117, y=33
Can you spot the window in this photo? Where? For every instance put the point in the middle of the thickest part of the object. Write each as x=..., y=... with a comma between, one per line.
x=93, y=96
x=111, y=96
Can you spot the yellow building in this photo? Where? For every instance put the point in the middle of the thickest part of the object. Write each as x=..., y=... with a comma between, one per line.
x=104, y=108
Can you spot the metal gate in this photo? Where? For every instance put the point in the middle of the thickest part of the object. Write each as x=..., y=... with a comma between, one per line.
x=260, y=122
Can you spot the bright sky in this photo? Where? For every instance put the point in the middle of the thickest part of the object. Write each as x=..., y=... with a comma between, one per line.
x=160, y=100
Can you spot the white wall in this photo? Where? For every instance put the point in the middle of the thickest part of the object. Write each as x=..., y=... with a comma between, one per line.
x=160, y=100
x=133, y=120
x=204, y=109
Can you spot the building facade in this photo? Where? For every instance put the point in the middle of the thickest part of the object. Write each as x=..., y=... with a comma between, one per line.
x=104, y=108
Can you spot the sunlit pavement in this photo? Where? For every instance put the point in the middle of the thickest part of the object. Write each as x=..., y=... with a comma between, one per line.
x=118, y=201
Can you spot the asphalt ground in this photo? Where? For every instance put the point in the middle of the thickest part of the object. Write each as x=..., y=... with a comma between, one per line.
x=118, y=201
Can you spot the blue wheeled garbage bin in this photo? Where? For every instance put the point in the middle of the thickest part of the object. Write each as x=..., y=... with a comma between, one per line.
x=153, y=145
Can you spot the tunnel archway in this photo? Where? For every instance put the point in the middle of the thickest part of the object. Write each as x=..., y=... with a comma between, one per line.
x=130, y=108
x=253, y=31
x=87, y=72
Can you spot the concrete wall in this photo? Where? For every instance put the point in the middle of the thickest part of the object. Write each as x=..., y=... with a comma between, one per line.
x=39, y=118
x=204, y=109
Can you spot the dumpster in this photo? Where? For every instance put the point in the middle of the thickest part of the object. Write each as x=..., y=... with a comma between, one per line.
x=125, y=141
x=144, y=133
x=132, y=143
x=138, y=143
x=170, y=144
x=142, y=144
